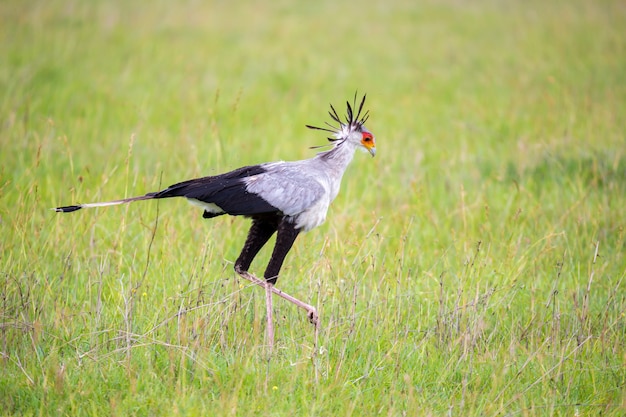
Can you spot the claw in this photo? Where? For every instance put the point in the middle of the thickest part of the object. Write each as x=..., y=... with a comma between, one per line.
x=313, y=317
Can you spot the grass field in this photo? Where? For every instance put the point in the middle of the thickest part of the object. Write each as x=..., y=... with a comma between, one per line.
x=475, y=267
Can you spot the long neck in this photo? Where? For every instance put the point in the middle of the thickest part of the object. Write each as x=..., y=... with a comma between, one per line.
x=339, y=157
x=336, y=161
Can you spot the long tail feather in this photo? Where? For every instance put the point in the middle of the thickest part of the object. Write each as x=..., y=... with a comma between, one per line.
x=69, y=209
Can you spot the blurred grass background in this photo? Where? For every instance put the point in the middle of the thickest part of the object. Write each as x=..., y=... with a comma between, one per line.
x=474, y=267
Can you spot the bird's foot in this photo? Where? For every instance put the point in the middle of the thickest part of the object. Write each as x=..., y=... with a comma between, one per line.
x=314, y=318
x=311, y=311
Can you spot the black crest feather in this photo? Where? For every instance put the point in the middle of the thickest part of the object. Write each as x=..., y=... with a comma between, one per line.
x=352, y=121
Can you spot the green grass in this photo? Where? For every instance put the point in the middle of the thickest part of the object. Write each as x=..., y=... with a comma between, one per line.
x=474, y=267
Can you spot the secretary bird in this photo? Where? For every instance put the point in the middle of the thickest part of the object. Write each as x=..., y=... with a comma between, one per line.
x=280, y=197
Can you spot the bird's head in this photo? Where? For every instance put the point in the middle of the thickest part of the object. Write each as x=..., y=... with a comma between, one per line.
x=353, y=130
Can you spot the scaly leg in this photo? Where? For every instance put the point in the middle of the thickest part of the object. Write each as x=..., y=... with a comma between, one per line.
x=259, y=234
x=287, y=234
x=312, y=311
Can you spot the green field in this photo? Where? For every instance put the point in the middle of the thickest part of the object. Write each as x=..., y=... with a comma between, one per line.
x=475, y=267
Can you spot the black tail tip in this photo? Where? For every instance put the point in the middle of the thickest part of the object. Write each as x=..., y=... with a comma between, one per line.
x=67, y=209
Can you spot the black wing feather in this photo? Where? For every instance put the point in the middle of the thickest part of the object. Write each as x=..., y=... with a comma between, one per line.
x=227, y=191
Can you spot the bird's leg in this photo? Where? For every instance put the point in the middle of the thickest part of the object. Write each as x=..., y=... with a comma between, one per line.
x=269, y=308
x=268, y=303
x=269, y=289
x=287, y=234
x=313, y=317
x=260, y=232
